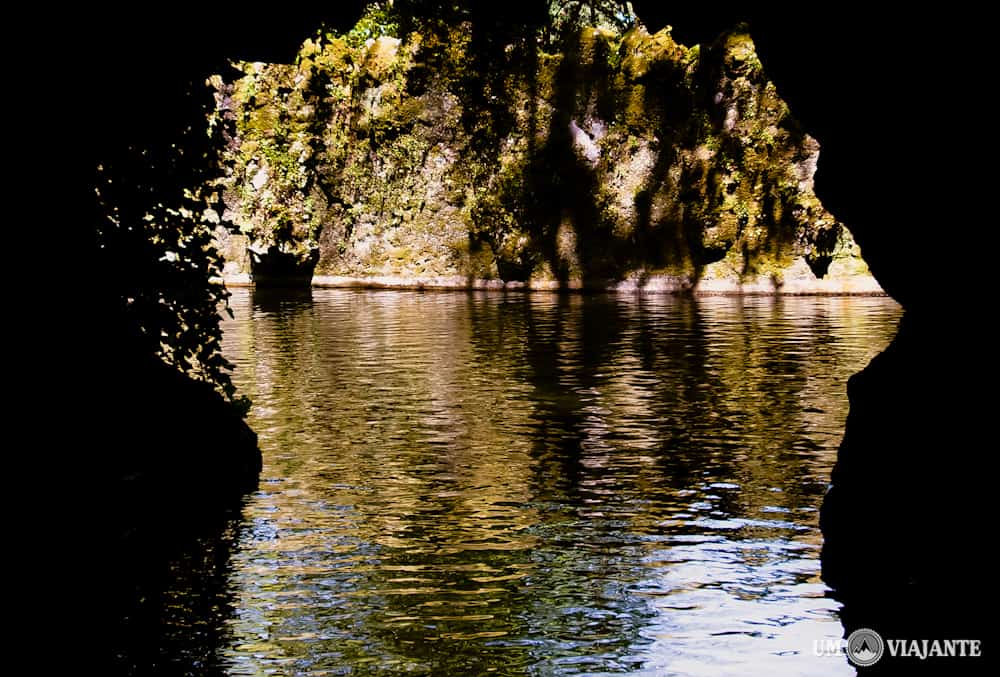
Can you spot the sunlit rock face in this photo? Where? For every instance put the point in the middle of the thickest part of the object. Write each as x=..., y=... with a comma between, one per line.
x=623, y=161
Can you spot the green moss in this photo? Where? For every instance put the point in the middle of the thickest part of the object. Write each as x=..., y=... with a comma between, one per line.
x=398, y=156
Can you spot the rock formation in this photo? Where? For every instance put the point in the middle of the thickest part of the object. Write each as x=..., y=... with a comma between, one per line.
x=622, y=161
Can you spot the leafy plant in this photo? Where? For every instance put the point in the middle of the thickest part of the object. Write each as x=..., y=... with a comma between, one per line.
x=379, y=19
x=158, y=211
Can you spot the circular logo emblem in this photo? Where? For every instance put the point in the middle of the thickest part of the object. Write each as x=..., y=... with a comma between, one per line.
x=864, y=647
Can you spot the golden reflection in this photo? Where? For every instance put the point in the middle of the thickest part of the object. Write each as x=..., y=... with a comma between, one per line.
x=459, y=481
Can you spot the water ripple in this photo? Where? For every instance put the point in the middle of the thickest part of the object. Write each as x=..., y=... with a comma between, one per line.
x=539, y=484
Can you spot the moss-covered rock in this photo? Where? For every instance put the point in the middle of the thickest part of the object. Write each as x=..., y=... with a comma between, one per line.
x=625, y=156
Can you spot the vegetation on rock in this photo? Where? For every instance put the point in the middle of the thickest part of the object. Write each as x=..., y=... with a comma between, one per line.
x=574, y=148
x=158, y=209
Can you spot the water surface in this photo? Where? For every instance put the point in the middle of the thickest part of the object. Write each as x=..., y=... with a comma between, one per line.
x=539, y=484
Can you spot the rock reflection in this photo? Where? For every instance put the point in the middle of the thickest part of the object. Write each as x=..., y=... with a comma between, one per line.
x=170, y=598
x=540, y=483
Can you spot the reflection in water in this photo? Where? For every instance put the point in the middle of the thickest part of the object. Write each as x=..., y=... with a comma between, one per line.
x=540, y=483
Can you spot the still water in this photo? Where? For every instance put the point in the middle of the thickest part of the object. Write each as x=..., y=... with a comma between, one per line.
x=538, y=484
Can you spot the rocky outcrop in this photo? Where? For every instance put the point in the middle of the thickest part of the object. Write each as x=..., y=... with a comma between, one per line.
x=903, y=520
x=907, y=511
x=626, y=161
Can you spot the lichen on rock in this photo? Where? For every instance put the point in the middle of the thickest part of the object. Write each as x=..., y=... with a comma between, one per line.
x=624, y=156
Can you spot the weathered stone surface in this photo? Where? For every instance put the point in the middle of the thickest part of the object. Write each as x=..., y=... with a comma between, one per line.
x=629, y=161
